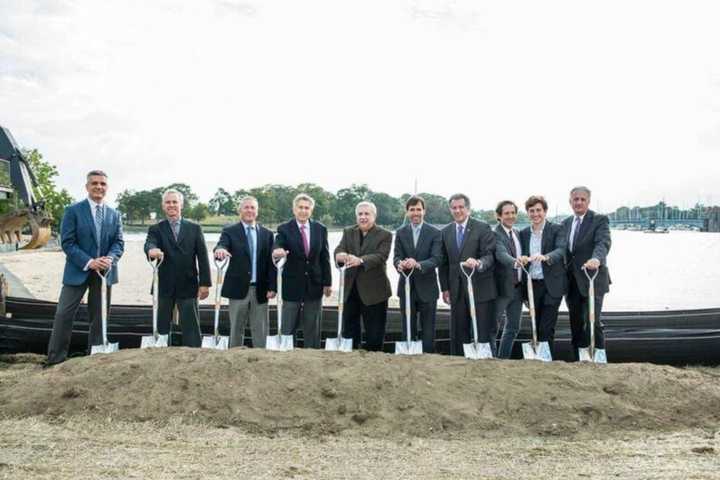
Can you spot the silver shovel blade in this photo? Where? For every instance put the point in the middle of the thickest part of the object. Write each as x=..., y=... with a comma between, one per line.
x=338, y=344
x=542, y=353
x=600, y=355
x=477, y=351
x=216, y=343
x=408, y=348
x=279, y=343
x=152, y=342
x=109, y=348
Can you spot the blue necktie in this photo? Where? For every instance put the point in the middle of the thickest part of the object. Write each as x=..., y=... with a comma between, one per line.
x=251, y=247
x=460, y=236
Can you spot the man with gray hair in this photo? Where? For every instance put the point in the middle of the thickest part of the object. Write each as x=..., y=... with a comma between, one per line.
x=307, y=275
x=184, y=274
x=364, y=249
x=251, y=277
x=588, y=244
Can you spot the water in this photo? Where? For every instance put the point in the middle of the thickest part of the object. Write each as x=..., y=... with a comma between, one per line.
x=678, y=270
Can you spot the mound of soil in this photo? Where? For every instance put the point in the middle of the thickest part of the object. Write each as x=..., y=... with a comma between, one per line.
x=374, y=394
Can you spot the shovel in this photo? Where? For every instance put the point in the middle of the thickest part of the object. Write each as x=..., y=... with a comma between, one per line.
x=408, y=347
x=215, y=340
x=105, y=347
x=592, y=354
x=155, y=340
x=279, y=342
x=340, y=344
x=474, y=350
x=534, y=350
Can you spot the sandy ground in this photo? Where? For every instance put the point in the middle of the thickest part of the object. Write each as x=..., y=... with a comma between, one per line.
x=245, y=413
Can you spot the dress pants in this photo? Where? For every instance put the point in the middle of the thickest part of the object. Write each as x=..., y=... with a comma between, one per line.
x=546, y=313
x=578, y=309
x=508, y=311
x=189, y=317
x=244, y=310
x=67, y=307
x=461, y=324
x=423, y=313
x=374, y=318
x=311, y=313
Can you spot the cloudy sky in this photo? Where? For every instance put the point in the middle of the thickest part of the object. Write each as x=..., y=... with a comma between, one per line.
x=494, y=98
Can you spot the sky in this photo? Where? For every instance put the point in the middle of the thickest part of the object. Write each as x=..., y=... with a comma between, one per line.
x=496, y=99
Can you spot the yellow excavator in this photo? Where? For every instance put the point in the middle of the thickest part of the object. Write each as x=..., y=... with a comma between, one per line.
x=26, y=212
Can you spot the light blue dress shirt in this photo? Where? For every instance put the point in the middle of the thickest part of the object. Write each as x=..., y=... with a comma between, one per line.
x=536, y=272
x=251, y=233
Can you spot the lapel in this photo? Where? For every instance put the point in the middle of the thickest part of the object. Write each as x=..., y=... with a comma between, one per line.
x=315, y=237
x=368, y=237
x=182, y=232
x=584, y=226
x=466, y=233
x=85, y=206
x=246, y=242
x=421, y=238
x=167, y=229
x=297, y=236
x=546, y=238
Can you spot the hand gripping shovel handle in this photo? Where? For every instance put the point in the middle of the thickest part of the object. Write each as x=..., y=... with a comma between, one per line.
x=279, y=265
x=408, y=306
x=591, y=310
x=155, y=264
x=220, y=266
x=531, y=307
x=471, y=300
x=103, y=302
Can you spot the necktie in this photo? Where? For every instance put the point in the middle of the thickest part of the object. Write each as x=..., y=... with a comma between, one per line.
x=306, y=242
x=576, y=231
x=513, y=252
x=460, y=236
x=416, y=236
x=175, y=228
x=98, y=225
x=251, y=241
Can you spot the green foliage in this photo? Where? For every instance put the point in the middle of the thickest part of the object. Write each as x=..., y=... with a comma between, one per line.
x=222, y=203
x=198, y=212
x=45, y=173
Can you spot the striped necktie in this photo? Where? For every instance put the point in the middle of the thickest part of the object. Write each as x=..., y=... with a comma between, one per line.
x=99, y=217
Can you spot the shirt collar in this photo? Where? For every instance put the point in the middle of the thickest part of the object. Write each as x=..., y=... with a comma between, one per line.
x=582, y=217
x=507, y=230
x=246, y=225
x=542, y=229
x=416, y=227
x=464, y=224
x=179, y=219
x=93, y=204
x=300, y=225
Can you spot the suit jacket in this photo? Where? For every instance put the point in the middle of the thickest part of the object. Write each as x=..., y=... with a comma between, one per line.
x=428, y=253
x=184, y=260
x=505, y=272
x=593, y=241
x=479, y=243
x=80, y=242
x=553, y=245
x=371, y=278
x=304, y=276
x=239, y=272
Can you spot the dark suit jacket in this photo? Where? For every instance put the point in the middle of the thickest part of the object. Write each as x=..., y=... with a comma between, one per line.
x=593, y=241
x=428, y=253
x=371, y=278
x=505, y=272
x=184, y=260
x=239, y=272
x=478, y=243
x=304, y=276
x=80, y=242
x=553, y=245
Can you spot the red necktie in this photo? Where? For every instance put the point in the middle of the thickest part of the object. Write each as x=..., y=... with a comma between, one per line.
x=306, y=244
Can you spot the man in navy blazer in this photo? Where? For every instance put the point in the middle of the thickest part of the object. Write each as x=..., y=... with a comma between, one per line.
x=307, y=275
x=92, y=240
x=251, y=276
x=418, y=248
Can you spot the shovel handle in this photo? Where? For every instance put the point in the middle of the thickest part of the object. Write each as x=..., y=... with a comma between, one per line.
x=103, y=301
x=591, y=309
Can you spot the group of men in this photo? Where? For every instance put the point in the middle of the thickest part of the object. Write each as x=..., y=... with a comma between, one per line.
x=554, y=256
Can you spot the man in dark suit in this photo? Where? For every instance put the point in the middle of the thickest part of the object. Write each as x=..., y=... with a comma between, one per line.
x=92, y=240
x=471, y=242
x=364, y=248
x=543, y=248
x=181, y=245
x=306, y=276
x=508, y=276
x=588, y=244
x=418, y=249
x=251, y=279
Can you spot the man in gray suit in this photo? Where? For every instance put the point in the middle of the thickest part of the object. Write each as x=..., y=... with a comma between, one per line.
x=471, y=242
x=588, y=244
x=508, y=276
x=418, y=249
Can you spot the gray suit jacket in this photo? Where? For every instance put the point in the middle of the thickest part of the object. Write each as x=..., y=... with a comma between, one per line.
x=554, y=247
x=479, y=243
x=371, y=278
x=428, y=253
x=505, y=272
x=593, y=241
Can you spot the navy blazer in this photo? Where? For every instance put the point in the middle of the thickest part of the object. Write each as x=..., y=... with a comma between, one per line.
x=304, y=276
x=428, y=253
x=239, y=272
x=553, y=246
x=80, y=242
x=593, y=241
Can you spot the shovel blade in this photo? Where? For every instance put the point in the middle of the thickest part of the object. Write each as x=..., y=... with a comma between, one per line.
x=215, y=343
x=104, y=348
x=477, y=351
x=542, y=353
x=338, y=344
x=408, y=348
x=154, y=342
x=600, y=355
x=279, y=343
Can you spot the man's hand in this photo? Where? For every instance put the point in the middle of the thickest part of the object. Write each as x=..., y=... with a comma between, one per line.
x=221, y=254
x=353, y=261
x=411, y=263
x=472, y=263
x=156, y=254
x=270, y=295
x=524, y=260
x=539, y=258
x=279, y=253
x=341, y=258
x=327, y=291
x=446, y=297
x=592, y=264
x=203, y=293
x=101, y=263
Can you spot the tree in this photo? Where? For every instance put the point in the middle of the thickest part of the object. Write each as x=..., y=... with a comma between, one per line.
x=390, y=210
x=222, y=203
x=45, y=173
x=343, y=207
x=198, y=212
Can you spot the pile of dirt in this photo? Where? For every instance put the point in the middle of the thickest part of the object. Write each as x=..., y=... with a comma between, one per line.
x=316, y=392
